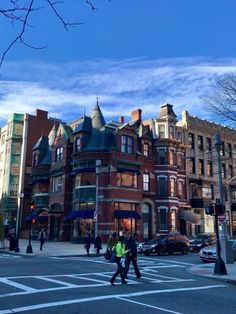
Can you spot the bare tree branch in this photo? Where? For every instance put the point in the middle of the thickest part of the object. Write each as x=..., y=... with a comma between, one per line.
x=19, y=11
x=222, y=101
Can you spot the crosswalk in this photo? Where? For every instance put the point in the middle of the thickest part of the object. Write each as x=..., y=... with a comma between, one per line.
x=4, y=256
x=23, y=285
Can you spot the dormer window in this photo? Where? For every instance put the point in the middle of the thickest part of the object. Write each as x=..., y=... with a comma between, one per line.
x=127, y=143
x=59, y=154
x=146, y=150
x=161, y=131
x=77, y=144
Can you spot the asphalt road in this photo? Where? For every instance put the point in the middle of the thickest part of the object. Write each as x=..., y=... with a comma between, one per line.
x=81, y=285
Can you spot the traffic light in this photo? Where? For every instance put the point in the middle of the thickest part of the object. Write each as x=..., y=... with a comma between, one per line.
x=220, y=209
x=32, y=206
x=210, y=209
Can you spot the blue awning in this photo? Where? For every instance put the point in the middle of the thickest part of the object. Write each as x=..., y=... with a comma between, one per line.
x=121, y=214
x=39, y=215
x=85, y=214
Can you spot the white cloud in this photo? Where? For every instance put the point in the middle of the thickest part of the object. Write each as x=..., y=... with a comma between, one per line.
x=64, y=90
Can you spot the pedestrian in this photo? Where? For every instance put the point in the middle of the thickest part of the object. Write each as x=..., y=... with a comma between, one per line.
x=132, y=255
x=98, y=244
x=88, y=242
x=42, y=236
x=120, y=255
x=112, y=241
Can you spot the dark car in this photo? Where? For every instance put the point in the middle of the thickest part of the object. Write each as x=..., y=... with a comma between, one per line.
x=164, y=244
x=202, y=240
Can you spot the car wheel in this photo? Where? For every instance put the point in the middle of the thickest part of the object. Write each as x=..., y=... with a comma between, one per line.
x=161, y=251
x=185, y=250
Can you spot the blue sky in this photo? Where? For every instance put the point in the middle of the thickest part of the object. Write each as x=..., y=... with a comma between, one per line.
x=132, y=54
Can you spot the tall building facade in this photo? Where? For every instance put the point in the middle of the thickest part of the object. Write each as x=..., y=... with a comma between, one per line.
x=17, y=139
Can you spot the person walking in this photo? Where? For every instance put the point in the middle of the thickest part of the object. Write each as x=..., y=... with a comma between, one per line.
x=120, y=253
x=132, y=255
x=112, y=241
x=88, y=242
x=98, y=244
x=42, y=236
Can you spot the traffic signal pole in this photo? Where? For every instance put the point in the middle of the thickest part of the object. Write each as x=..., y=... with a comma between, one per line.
x=219, y=264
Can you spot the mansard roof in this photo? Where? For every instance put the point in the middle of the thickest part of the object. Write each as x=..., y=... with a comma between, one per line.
x=42, y=143
x=103, y=140
x=84, y=125
x=167, y=112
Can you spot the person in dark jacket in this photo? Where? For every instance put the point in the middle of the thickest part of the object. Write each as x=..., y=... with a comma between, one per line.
x=132, y=255
x=88, y=242
x=98, y=244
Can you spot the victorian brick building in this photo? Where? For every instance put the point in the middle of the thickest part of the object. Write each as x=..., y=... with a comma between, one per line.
x=117, y=176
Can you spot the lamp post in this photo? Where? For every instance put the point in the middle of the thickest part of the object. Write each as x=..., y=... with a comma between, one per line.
x=98, y=165
x=18, y=218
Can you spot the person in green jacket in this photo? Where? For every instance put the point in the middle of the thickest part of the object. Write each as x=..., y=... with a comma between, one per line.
x=120, y=252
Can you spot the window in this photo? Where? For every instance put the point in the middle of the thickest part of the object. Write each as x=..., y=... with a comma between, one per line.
x=172, y=187
x=146, y=151
x=200, y=167
x=127, y=143
x=180, y=136
x=77, y=144
x=180, y=161
x=13, y=190
x=229, y=148
x=3, y=139
x=18, y=129
x=16, y=148
x=208, y=145
x=162, y=187
x=161, y=157
x=180, y=189
x=173, y=220
x=57, y=184
x=200, y=142
x=172, y=132
x=161, y=131
x=231, y=173
x=171, y=157
x=146, y=183
x=223, y=171
x=222, y=151
x=192, y=165
x=127, y=179
x=59, y=154
x=209, y=170
x=191, y=140
x=163, y=219
x=87, y=178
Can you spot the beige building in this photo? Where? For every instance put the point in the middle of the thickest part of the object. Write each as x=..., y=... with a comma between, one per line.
x=202, y=169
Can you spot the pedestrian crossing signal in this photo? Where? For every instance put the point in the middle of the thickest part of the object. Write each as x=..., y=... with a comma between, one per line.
x=33, y=221
x=210, y=209
x=32, y=206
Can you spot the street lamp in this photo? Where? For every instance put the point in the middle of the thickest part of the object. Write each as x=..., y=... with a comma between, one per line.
x=98, y=165
x=18, y=218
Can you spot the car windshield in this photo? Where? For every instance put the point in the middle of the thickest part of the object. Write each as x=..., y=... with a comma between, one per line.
x=201, y=237
x=153, y=241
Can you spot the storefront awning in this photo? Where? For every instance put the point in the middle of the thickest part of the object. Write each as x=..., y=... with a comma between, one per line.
x=39, y=215
x=85, y=214
x=189, y=216
x=121, y=214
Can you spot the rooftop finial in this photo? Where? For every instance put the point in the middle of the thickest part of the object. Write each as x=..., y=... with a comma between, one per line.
x=97, y=99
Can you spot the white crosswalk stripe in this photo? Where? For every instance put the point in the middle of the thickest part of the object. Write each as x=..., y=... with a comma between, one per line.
x=3, y=256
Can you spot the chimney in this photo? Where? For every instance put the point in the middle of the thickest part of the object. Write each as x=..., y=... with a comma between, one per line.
x=136, y=114
x=41, y=114
x=121, y=119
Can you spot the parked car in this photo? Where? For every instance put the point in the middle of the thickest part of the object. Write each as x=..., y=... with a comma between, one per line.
x=202, y=240
x=164, y=244
x=208, y=254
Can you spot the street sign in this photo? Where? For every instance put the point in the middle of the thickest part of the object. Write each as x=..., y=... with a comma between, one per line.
x=221, y=218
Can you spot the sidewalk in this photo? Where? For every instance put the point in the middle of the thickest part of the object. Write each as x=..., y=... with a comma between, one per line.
x=53, y=249
x=207, y=270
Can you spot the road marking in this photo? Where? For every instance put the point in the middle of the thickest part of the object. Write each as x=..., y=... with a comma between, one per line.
x=151, y=306
x=170, y=261
x=17, y=285
x=62, y=283
x=99, y=298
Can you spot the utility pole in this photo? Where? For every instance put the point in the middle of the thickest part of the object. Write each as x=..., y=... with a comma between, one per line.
x=219, y=265
x=98, y=165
